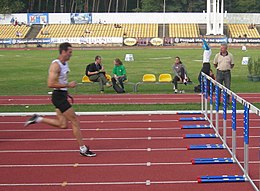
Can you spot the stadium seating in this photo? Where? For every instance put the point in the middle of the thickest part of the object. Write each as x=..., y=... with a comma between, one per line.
x=10, y=31
x=98, y=30
x=184, y=30
x=240, y=30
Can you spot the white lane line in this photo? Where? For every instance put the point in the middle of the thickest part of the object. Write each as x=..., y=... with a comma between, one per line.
x=109, y=121
x=97, y=129
x=105, y=129
x=94, y=165
x=125, y=121
x=104, y=150
x=106, y=138
x=101, y=183
x=97, y=150
x=94, y=139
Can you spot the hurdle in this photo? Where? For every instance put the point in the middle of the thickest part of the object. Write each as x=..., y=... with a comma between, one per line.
x=247, y=108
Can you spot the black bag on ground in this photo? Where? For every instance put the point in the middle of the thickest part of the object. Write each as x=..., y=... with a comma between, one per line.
x=197, y=89
x=117, y=87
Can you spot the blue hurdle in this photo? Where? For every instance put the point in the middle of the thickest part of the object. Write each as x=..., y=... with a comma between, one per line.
x=212, y=161
x=189, y=112
x=200, y=136
x=192, y=119
x=196, y=127
x=207, y=146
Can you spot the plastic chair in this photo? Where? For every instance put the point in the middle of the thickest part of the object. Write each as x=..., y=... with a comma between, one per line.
x=165, y=78
x=149, y=78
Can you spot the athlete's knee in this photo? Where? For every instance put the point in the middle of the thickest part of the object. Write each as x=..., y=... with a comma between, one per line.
x=63, y=126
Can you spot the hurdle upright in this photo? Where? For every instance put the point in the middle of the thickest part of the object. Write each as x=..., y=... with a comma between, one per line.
x=247, y=108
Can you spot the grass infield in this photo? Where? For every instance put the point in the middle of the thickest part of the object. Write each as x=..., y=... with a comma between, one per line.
x=24, y=72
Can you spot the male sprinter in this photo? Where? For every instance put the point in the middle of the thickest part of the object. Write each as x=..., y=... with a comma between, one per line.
x=58, y=80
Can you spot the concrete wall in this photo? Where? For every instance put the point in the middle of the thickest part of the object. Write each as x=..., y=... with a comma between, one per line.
x=200, y=18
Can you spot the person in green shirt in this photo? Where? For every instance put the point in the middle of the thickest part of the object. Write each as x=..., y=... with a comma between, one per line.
x=119, y=72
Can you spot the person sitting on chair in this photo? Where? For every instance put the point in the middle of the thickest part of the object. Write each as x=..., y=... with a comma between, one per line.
x=180, y=73
x=96, y=73
x=119, y=73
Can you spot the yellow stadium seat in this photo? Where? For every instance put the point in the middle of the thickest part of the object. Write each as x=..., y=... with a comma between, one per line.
x=85, y=79
x=165, y=78
x=149, y=78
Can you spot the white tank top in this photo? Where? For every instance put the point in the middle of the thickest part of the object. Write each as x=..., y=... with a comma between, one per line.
x=64, y=72
x=206, y=56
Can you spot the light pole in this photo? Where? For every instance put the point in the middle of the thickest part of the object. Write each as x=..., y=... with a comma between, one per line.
x=163, y=18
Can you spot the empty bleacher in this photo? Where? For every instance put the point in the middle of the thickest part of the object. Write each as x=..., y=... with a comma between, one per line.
x=10, y=31
x=98, y=30
x=184, y=30
x=242, y=30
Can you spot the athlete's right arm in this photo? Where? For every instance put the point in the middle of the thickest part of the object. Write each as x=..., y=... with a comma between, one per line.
x=53, y=77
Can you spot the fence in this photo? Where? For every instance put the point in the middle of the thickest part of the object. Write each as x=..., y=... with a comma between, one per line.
x=207, y=84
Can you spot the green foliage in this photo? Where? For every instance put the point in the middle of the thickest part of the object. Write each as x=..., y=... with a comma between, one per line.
x=233, y=6
x=251, y=6
x=256, y=67
x=151, y=6
x=250, y=66
x=10, y=6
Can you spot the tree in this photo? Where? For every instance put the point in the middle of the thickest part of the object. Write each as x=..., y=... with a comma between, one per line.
x=249, y=6
x=11, y=6
x=151, y=5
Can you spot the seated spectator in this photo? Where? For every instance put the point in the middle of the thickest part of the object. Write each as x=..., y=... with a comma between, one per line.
x=18, y=34
x=87, y=31
x=251, y=26
x=180, y=74
x=119, y=73
x=96, y=73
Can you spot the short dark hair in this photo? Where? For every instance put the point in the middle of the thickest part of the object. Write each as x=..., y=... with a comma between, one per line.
x=64, y=46
x=97, y=57
x=117, y=60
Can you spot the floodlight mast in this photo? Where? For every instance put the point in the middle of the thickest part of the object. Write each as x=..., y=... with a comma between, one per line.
x=215, y=17
x=164, y=18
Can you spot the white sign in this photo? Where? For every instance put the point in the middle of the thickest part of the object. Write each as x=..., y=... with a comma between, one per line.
x=245, y=60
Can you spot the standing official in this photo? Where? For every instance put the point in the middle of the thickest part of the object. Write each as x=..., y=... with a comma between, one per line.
x=224, y=62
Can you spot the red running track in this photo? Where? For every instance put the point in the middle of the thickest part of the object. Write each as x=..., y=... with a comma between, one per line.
x=118, y=99
x=134, y=152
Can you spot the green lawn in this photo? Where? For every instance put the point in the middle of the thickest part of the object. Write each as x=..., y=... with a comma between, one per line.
x=24, y=72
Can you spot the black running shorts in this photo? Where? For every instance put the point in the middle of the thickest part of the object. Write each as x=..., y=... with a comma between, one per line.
x=60, y=101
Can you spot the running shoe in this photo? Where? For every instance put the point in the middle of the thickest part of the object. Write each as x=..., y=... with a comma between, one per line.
x=88, y=153
x=32, y=120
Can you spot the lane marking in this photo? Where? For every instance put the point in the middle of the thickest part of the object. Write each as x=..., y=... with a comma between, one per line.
x=103, y=183
x=106, y=138
x=82, y=129
x=106, y=150
x=148, y=164
x=94, y=139
x=105, y=129
x=109, y=121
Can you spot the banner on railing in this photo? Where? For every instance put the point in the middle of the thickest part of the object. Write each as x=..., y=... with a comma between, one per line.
x=105, y=40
